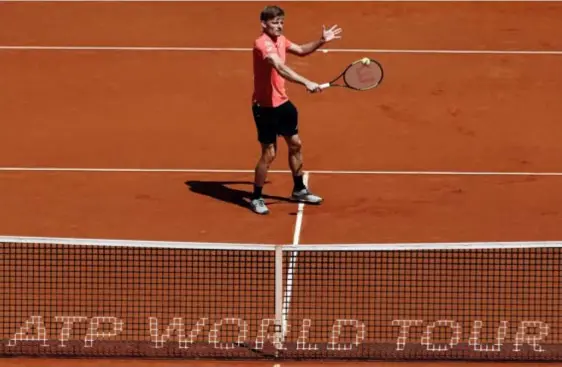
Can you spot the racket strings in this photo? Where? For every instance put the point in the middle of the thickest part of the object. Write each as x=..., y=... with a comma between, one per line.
x=363, y=75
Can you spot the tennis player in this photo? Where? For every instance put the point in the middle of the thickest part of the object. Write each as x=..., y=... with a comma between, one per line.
x=274, y=114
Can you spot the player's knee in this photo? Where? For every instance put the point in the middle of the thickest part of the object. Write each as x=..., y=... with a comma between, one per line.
x=269, y=153
x=295, y=146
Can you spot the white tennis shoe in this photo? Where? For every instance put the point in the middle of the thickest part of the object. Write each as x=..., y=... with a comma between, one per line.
x=259, y=207
x=305, y=196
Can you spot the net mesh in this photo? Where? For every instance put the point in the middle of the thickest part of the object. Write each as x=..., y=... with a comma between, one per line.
x=127, y=301
x=428, y=304
x=130, y=301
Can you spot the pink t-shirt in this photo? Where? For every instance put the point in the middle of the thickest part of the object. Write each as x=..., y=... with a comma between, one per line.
x=269, y=86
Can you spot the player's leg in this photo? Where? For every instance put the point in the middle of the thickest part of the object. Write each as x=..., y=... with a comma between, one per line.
x=289, y=127
x=294, y=146
x=265, y=125
x=268, y=153
x=300, y=191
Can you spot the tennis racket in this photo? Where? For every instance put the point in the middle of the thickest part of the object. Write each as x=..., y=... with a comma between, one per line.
x=360, y=75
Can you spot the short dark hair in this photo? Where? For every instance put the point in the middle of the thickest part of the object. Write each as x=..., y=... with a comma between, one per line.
x=271, y=12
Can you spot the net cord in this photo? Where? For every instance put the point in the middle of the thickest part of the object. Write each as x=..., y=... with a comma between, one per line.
x=417, y=246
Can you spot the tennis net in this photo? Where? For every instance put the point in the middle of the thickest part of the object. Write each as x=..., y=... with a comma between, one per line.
x=472, y=301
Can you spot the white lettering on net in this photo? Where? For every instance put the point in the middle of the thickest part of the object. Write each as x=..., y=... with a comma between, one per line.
x=25, y=330
x=176, y=325
x=455, y=338
x=68, y=321
x=404, y=329
x=242, y=335
x=93, y=332
x=302, y=341
x=336, y=332
x=475, y=337
x=522, y=336
x=263, y=335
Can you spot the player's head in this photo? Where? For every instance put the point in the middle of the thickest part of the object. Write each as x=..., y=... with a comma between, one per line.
x=272, y=20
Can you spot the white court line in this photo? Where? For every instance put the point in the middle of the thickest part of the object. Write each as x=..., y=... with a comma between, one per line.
x=293, y=261
x=316, y=172
x=283, y=1
x=243, y=49
x=437, y=173
x=300, y=213
x=135, y=170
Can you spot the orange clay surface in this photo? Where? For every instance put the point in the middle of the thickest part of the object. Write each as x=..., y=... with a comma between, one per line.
x=191, y=110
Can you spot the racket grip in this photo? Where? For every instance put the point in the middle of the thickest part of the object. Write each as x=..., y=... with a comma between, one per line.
x=324, y=86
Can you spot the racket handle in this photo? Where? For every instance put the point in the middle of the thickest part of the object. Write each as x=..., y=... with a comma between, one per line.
x=324, y=86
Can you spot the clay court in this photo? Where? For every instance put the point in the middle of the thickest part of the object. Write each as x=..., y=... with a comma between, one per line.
x=132, y=121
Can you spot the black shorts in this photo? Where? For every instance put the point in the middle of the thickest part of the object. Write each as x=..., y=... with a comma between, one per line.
x=270, y=122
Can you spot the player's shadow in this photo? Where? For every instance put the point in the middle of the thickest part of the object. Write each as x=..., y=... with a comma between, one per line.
x=223, y=191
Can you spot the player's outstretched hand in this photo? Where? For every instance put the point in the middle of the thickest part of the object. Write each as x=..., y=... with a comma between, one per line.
x=331, y=33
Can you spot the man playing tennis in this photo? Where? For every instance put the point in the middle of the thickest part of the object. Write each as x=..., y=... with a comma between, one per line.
x=273, y=112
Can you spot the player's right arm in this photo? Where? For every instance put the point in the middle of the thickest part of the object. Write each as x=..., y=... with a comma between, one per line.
x=289, y=74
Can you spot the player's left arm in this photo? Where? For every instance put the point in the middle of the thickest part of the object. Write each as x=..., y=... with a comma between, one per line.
x=308, y=48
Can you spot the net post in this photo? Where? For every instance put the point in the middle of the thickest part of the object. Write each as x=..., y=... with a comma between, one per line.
x=279, y=327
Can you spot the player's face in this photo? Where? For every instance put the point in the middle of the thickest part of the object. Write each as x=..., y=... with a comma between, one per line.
x=274, y=27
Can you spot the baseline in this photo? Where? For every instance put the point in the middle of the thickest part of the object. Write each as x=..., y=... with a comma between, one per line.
x=246, y=49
